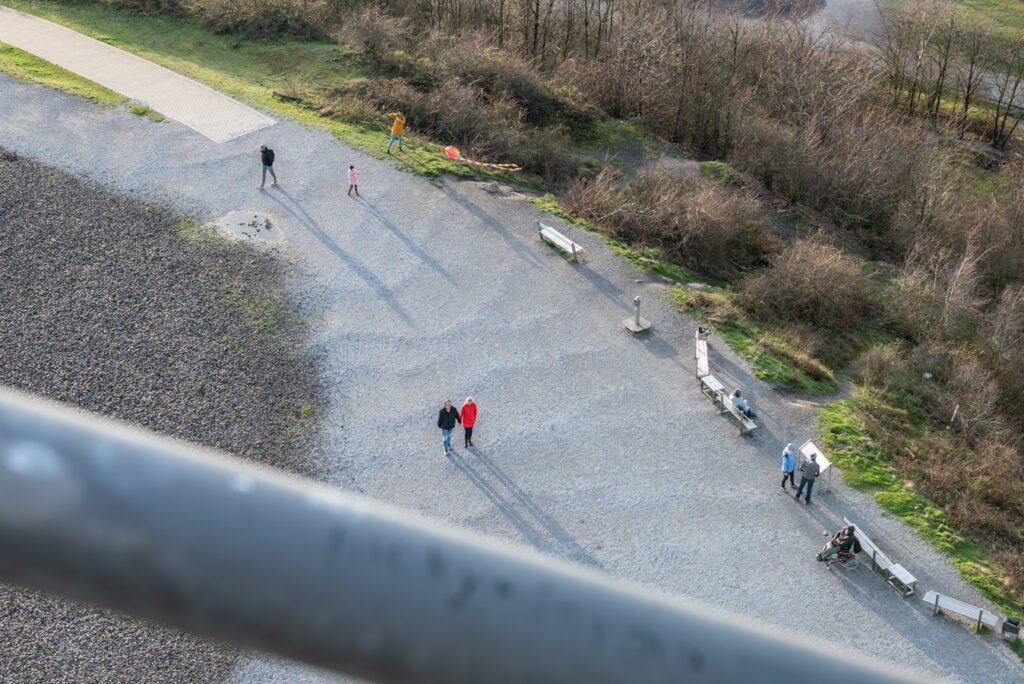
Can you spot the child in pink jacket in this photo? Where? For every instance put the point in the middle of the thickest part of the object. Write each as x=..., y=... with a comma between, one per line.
x=353, y=180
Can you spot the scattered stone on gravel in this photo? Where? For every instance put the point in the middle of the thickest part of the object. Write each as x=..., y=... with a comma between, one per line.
x=125, y=309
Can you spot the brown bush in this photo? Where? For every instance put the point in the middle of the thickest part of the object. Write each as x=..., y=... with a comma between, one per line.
x=811, y=283
x=265, y=18
x=711, y=228
x=375, y=31
x=881, y=365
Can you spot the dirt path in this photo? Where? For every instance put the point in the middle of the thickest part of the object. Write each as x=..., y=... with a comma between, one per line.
x=592, y=444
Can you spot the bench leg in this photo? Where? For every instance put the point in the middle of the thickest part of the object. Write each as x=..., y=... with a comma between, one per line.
x=936, y=610
x=977, y=629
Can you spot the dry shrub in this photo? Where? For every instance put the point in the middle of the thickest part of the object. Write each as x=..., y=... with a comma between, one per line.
x=714, y=307
x=375, y=32
x=266, y=18
x=881, y=365
x=470, y=58
x=710, y=228
x=811, y=283
x=151, y=6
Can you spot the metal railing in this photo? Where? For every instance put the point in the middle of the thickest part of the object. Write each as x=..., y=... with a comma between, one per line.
x=159, y=529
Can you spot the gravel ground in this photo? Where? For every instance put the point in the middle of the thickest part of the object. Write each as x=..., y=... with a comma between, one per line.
x=592, y=444
x=107, y=304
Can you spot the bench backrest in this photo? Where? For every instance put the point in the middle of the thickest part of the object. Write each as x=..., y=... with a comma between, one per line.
x=871, y=548
x=805, y=451
x=701, y=354
x=948, y=603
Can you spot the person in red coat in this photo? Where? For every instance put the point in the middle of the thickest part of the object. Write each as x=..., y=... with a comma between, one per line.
x=468, y=416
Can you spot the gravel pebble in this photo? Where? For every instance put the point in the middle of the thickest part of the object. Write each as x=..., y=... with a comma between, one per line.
x=118, y=307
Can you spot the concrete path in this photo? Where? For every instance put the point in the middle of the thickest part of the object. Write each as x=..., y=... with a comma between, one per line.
x=592, y=444
x=212, y=114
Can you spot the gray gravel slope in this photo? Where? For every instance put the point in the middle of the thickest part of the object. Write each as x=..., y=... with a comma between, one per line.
x=106, y=306
x=592, y=444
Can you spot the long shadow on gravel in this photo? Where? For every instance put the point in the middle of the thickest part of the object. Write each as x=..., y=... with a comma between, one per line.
x=488, y=220
x=550, y=537
x=369, y=277
x=412, y=246
x=118, y=307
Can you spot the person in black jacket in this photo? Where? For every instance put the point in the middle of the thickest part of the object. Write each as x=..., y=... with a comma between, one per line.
x=844, y=541
x=446, y=420
x=267, y=157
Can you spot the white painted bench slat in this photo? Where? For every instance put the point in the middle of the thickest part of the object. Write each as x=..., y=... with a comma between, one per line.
x=559, y=240
x=948, y=603
x=746, y=424
x=896, y=576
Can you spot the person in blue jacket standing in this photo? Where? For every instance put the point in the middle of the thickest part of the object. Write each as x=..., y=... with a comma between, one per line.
x=788, y=465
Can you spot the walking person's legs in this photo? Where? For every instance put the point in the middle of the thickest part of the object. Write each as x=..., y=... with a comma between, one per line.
x=784, y=475
x=272, y=175
x=800, y=489
x=810, y=486
x=791, y=482
x=469, y=437
x=447, y=439
x=263, y=179
x=392, y=142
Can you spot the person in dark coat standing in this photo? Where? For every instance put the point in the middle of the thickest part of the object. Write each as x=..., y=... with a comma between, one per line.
x=446, y=420
x=788, y=465
x=468, y=416
x=267, y=158
x=808, y=473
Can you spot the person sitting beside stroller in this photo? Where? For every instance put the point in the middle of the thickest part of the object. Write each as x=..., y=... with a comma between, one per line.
x=739, y=402
x=844, y=541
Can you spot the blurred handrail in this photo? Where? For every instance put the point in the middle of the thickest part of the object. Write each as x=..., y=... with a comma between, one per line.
x=98, y=511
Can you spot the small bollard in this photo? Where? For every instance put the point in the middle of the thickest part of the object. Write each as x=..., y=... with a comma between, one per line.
x=635, y=323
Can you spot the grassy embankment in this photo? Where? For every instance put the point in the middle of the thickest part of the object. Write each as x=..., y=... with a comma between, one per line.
x=1007, y=16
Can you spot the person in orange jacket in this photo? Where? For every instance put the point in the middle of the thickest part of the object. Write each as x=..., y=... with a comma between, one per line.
x=468, y=416
x=397, y=129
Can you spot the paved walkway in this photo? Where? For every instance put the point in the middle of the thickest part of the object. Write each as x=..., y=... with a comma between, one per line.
x=592, y=444
x=212, y=114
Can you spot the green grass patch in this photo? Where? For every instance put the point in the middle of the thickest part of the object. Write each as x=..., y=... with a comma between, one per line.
x=720, y=172
x=266, y=310
x=143, y=110
x=856, y=434
x=772, y=356
x=27, y=67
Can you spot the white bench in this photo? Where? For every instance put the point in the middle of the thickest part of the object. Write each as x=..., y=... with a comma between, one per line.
x=746, y=424
x=977, y=615
x=712, y=388
x=896, y=576
x=700, y=352
x=824, y=465
x=558, y=240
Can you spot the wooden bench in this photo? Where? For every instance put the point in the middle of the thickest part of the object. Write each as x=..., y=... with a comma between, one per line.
x=558, y=240
x=712, y=388
x=746, y=424
x=700, y=353
x=977, y=615
x=896, y=576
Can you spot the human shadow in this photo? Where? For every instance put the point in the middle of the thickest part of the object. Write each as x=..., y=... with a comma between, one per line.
x=565, y=540
x=369, y=277
x=517, y=246
x=412, y=246
x=549, y=537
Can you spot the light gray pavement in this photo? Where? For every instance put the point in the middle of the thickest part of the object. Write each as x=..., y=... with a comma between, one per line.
x=199, y=107
x=592, y=444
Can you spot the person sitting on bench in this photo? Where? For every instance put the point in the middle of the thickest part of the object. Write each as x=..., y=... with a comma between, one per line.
x=739, y=402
